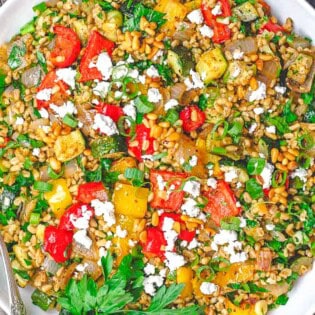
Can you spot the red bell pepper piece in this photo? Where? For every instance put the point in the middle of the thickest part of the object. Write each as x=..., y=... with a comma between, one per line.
x=186, y=235
x=5, y=142
x=154, y=244
x=272, y=27
x=57, y=243
x=110, y=110
x=174, y=199
x=51, y=81
x=193, y=118
x=265, y=7
x=72, y=213
x=221, y=202
x=96, y=45
x=67, y=47
x=142, y=135
x=221, y=31
x=90, y=191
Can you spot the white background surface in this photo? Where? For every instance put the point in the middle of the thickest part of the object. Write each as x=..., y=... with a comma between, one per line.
x=16, y=13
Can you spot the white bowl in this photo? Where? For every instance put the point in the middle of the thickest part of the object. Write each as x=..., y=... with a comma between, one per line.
x=15, y=13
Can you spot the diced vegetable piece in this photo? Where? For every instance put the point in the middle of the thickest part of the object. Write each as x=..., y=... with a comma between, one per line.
x=240, y=310
x=106, y=147
x=155, y=243
x=246, y=12
x=42, y=300
x=175, y=62
x=122, y=164
x=114, y=20
x=20, y=274
x=180, y=59
x=92, y=190
x=211, y=65
x=129, y=200
x=300, y=68
x=59, y=198
x=70, y=146
x=81, y=29
x=21, y=256
x=174, y=12
x=185, y=275
x=239, y=73
x=121, y=248
x=193, y=118
x=302, y=265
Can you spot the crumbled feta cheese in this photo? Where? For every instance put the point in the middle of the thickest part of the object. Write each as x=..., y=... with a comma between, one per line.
x=238, y=257
x=102, y=252
x=142, y=79
x=101, y=89
x=63, y=110
x=195, y=82
x=266, y=175
x=280, y=89
x=147, y=157
x=108, y=244
x=237, y=54
x=183, y=244
x=190, y=208
x=130, y=110
x=208, y=288
x=131, y=243
x=118, y=95
x=239, y=185
x=151, y=283
x=81, y=267
x=162, y=272
x=104, y=65
x=134, y=73
x=170, y=235
x=206, y=31
x=46, y=129
x=174, y=261
x=270, y=227
x=82, y=238
x=44, y=95
x=67, y=75
x=130, y=59
x=212, y=182
x=217, y=10
x=259, y=110
x=152, y=72
x=120, y=232
x=301, y=173
x=160, y=182
x=170, y=104
x=154, y=95
x=193, y=161
x=82, y=222
x=230, y=175
x=223, y=237
x=243, y=222
x=149, y=269
x=258, y=94
x=105, y=209
x=236, y=72
x=95, y=101
x=43, y=113
x=193, y=244
x=252, y=127
x=105, y=125
x=19, y=121
x=192, y=187
x=36, y=151
x=271, y=129
x=158, y=55
x=195, y=17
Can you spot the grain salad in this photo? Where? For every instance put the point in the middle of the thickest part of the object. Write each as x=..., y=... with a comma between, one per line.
x=157, y=157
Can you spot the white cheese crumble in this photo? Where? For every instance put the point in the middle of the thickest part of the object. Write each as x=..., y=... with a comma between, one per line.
x=174, y=261
x=105, y=209
x=149, y=269
x=44, y=95
x=154, y=95
x=208, y=288
x=217, y=10
x=258, y=94
x=82, y=238
x=67, y=75
x=120, y=232
x=82, y=222
x=301, y=173
x=259, y=110
x=195, y=82
x=252, y=127
x=36, y=152
x=192, y=187
x=223, y=237
x=193, y=244
x=170, y=235
x=151, y=283
x=19, y=121
x=243, y=222
x=104, y=65
x=266, y=174
x=190, y=208
x=237, y=54
x=230, y=175
x=236, y=72
x=195, y=17
x=193, y=161
x=206, y=31
x=160, y=182
x=101, y=89
x=81, y=267
x=105, y=125
x=212, y=182
x=170, y=104
x=271, y=129
x=270, y=227
x=152, y=72
x=63, y=110
x=43, y=113
x=280, y=89
x=130, y=110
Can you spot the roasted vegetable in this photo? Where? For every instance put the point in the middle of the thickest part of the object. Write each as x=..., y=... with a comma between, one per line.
x=70, y=146
x=108, y=147
x=185, y=275
x=211, y=65
x=180, y=59
x=42, y=300
x=246, y=12
x=239, y=73
x=300, y=68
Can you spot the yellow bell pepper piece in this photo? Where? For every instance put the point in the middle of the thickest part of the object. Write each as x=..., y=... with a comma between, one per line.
x=185, y=275
x=193, y=5
x=59, y=198
x=239, y=310
x=121, y=248
x=240, y=272
x=174, y=12
x=130, y=201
